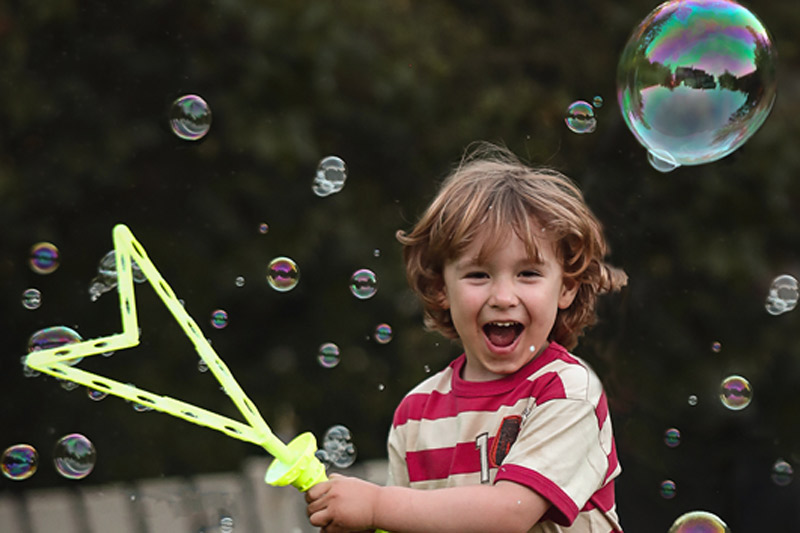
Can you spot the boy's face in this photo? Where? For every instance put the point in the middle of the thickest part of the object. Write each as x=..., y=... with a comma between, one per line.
x=504, y=307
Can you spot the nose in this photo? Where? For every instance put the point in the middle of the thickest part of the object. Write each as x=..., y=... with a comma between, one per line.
x=503, y=294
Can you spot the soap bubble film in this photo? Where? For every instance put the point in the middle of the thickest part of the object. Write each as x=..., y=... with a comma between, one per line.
x=328, y=355
x=783, y=294
x=696, y=80
x=53, y=337
x=282, y=274
x=330, y=177
x=735, y=393
x=363, y=284
x=699, y=522
x=44, y=258
x=383, y=333
x=219, y=318
x=20, y=461
x=580, y=117
x=190, y=117
x=31, y=299
x=667, y=489
x=782, y=473
x=74, y=456
x=672, y=437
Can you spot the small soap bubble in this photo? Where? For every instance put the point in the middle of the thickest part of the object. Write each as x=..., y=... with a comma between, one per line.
x=331, y=176
x=383, y=333
x=376, y=253
x=597, y=101
x=225, y=524
x=31, y=299
x=263, y=228
x=667, y=489
x=44, y=258
x=328, y=355
x=239, y=282
x=27, y=371
x=716, y=347
x=363, y=284
x=95, y=394
x=735, y=393
x=782, y=473
x=141, y=408
x=323, y=458
x=74, y=456
x=282, y=274
x=672, y=437
x=692, y=400
x=783, y=295
x=202, y=366
x=107, y=268
x=696, y=79
x=338, y=443
x=661, y=160
x=20, y=461
x=381, y=387
x=219, y=318
x=67, y=385
x=53, y=337
x=699, y=522
x=580, y=117
x=427, y=369
x=190, y=117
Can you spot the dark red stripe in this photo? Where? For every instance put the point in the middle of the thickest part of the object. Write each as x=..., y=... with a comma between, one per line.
x=601, y=411
x=603, y=499
x=439, y=463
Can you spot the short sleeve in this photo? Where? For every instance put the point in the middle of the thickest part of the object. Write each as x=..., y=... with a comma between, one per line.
x=558, y=453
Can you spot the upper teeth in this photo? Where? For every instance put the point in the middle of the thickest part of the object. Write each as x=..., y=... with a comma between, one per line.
x=503, y=324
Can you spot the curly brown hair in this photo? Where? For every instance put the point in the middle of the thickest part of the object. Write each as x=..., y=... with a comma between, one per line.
x=489, y=192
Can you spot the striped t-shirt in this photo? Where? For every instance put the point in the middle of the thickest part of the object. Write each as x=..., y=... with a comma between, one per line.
x=546, y=427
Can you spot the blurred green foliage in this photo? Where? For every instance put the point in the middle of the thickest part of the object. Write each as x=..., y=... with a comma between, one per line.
x=397, y=89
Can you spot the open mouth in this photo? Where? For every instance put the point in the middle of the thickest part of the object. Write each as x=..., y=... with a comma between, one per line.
x=502, y=334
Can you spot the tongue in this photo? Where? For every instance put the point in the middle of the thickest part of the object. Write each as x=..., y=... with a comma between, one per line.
x=500, y=336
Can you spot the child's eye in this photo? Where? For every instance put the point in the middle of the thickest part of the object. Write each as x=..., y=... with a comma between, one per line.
x=476, y=275
x=530, y=274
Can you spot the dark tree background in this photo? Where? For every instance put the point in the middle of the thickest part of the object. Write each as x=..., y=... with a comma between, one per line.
x=397, y=89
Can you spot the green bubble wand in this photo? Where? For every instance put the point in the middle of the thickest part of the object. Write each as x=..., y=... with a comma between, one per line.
x=295, y=463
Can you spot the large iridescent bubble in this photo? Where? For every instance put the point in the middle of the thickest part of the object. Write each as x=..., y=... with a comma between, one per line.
x=695, y=80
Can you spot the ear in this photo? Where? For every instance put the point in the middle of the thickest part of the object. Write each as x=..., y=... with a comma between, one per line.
x=441, y=298
x=569, y=288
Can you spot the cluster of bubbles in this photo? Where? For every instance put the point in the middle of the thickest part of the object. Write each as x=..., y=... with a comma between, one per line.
x=283, y=274
x=735, y=392
x=783, y=295
x=580, y=116
x=219, y=319
x=74, y=457
x=383, y=333
x=330, y=177
x=699, y=522
x=106, y=278
x=328, y=355
x=190, y=117
x=696, y=80
x=363, y=284
x=44, y=258
x=337, y=448
x=31, y=299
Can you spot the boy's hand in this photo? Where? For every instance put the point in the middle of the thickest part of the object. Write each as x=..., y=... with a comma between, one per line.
x=342, y=504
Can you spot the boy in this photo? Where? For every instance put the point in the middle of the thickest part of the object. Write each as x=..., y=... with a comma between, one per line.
x=514, y=435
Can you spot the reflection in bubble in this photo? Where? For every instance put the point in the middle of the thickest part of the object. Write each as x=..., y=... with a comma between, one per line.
x=783, y=295
x=363, y=284
x=53, y=337
x=672, y=437
x=282, y=274
x=74, y=456
x=328, y=355
x=735, y=393
x=696, y=79
x=661, y=160
x=31, y=299
x=190, y=117
x=337, y=442
x=44, y=258
x=19, y=461
x=699, y=522
x=580, y=117
x=95, y=394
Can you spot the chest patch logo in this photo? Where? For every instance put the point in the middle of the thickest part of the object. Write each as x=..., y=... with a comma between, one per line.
x=505, y=438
